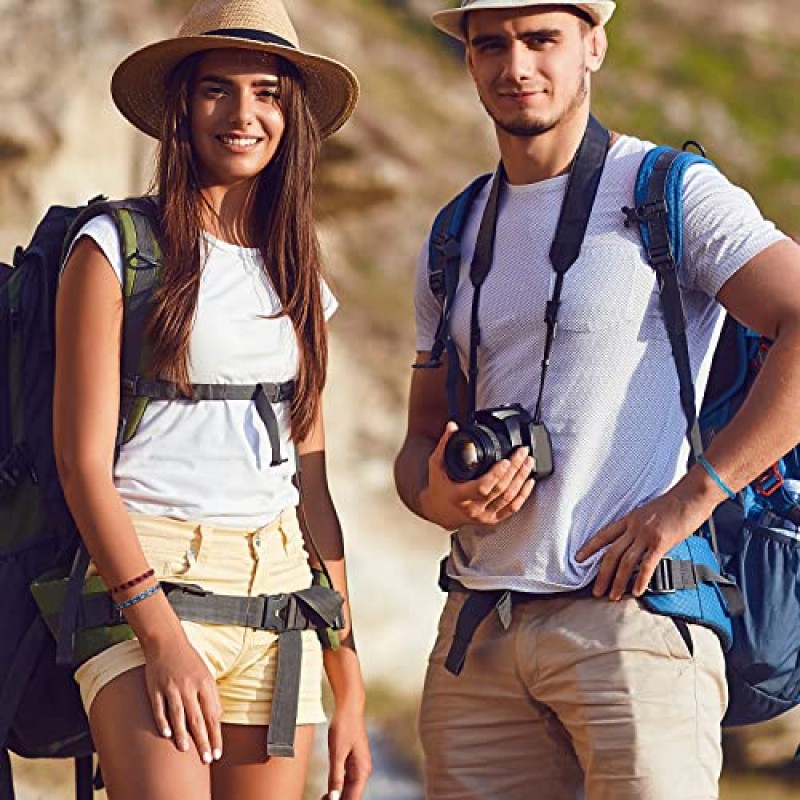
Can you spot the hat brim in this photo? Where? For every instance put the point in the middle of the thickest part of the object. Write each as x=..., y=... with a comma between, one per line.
x=450, y=21
x=138, y=85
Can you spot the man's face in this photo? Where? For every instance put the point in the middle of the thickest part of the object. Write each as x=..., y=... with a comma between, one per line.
x=531, y=67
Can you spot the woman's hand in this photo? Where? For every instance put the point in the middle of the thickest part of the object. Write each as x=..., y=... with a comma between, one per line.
x=350, y=762
x=184, y=697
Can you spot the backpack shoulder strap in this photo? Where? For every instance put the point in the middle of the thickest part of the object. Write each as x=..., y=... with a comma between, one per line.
x=136, y=221
x=444, y=259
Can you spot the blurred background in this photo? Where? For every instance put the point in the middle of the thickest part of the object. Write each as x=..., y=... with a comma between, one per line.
x=721, y=73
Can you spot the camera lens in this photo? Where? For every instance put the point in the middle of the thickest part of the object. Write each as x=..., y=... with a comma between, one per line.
x=471, y=452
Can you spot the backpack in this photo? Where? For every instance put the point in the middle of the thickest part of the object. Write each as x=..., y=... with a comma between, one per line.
x=41, y=715
x=740, y=573
x=51, y=619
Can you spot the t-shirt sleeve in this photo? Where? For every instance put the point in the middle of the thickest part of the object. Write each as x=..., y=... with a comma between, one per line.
x=329, y=301
x=427, y=310
x=103, y=231
x=723, y=229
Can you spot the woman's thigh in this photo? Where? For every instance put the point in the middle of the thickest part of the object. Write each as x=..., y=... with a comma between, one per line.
x=137, y=762
x=246, y=773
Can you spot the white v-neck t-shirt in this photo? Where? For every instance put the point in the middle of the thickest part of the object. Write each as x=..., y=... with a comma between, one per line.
x=210, y=460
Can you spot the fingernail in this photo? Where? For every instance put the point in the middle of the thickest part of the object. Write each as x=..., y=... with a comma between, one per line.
x=166, y=733
x=217, y=753
x=334, y=795
x=183, y=746
x=207, y=758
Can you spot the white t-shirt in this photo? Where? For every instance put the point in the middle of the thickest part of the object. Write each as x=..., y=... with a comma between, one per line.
x=611, y=400
x=210, y=460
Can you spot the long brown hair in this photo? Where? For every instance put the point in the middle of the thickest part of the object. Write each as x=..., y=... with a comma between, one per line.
x=281, y=223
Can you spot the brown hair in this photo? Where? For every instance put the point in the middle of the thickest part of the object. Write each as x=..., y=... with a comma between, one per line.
x=280, y=221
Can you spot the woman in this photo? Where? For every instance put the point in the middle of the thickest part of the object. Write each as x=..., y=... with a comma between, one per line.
x=199, y=495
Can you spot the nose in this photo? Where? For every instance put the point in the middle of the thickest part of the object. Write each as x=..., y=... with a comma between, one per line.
x=519, y=62
x=242, y=110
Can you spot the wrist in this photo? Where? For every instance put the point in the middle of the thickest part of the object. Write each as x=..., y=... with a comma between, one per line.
x=698, y=490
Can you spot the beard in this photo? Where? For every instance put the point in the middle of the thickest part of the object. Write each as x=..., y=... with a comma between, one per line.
x=526, y=125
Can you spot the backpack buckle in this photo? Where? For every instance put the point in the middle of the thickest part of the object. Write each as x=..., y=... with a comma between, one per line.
x=644, y=213
x=276, y=612
x=663, y=581
x=769, y=481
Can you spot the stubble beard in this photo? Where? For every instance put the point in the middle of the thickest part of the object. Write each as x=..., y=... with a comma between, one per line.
x=525, y=127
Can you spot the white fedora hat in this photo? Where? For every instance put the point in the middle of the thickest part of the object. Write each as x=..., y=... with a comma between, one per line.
x=451, y=20
x=139, y=82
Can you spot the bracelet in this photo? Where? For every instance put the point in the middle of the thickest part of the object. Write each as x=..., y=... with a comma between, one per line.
x=137, y=598
x=133, y=581
x=703, y=462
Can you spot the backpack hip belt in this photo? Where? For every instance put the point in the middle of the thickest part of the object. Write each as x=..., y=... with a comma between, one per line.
x=671, y=575
x=316, y=608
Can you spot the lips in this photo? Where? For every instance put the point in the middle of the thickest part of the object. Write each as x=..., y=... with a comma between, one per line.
x=239, y=142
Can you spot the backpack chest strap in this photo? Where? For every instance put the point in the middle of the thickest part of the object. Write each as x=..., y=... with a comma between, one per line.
x=137, y=391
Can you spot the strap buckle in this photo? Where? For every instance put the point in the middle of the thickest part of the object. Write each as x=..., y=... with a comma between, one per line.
x=769, y=481
x=280, y=611
x=644, y=213
x=663, y=581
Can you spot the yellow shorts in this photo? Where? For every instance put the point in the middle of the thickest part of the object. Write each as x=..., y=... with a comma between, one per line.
x=269, y=560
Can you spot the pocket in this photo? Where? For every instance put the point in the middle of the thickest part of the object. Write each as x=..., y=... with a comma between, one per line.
x=608, y=287
x=676, y=635
x=173, y=549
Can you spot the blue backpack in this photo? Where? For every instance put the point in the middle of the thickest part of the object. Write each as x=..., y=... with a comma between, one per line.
x=740, y=573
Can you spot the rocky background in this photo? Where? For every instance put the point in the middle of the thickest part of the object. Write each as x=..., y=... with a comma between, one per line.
x=677, y=69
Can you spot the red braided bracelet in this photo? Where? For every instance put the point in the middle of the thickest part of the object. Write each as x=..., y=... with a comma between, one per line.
x=133, y=581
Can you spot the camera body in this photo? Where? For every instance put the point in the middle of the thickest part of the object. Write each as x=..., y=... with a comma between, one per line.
x=492, y=436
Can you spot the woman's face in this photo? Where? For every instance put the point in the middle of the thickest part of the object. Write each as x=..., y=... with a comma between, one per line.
x=236, y=115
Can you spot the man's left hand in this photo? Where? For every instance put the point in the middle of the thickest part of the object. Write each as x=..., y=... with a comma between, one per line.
x=638, y=541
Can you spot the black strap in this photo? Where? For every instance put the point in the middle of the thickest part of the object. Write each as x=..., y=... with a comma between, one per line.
x=584, y=181
x=285, y=695
x=84, y=778
x=6, y=776
x=476, y=608
x=16, y=678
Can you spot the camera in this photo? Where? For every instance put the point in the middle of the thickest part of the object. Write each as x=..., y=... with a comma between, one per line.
x=493, y=435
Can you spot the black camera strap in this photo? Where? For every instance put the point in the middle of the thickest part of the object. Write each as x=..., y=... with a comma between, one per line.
x=584, y=180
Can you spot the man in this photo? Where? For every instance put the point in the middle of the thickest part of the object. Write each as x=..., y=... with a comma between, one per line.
x=580, y=688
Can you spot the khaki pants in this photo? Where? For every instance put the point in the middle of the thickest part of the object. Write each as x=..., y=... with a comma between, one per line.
x=578, y=694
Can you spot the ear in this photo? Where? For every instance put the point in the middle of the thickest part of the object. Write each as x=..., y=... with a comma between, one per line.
x=596, y=48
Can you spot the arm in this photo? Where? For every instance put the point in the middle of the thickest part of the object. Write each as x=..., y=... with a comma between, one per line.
x=420, y=476
x=764, y=295
x=350, y=762
x=86, y=408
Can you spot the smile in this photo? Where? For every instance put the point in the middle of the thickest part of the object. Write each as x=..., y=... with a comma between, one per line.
x=239, y=141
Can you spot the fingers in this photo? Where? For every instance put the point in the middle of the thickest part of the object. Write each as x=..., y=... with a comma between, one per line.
x=212, y=713
x=601, y=539
x=191, y=718
x=160, y=714
x=437, y=456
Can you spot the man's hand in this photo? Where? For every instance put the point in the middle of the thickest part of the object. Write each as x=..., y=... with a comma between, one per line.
x=638, y=541
x=487, y=500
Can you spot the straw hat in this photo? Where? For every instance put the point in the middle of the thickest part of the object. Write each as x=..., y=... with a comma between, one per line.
x=139, y=82
x=450, y=20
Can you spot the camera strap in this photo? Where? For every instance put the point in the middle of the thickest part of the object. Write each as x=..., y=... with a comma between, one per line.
x=582, y=186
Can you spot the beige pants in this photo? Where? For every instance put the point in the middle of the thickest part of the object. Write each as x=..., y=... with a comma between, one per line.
x=577, y=694
x=269, y=560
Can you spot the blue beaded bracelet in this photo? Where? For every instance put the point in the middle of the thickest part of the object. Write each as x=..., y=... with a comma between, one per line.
x=703, y=462
x=137, y=598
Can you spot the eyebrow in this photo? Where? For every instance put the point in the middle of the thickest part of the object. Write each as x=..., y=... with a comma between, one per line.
x=536, y=33
x=271, y=80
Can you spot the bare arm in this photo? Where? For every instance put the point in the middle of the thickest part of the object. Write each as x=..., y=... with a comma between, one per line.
x=350, y=763
x=764, y=295
x=86, y=409
x=420, y=476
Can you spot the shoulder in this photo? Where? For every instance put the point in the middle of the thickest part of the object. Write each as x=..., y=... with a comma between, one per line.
x=103, y=231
